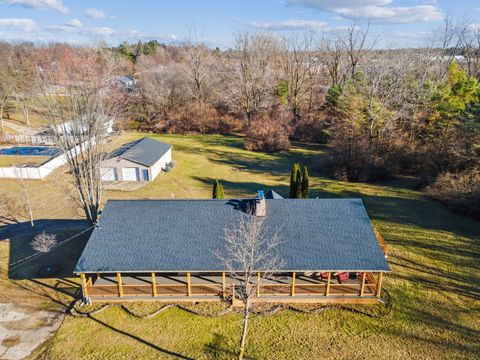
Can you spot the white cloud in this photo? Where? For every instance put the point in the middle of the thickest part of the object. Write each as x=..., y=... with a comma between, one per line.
x=39, y=4
x=95, y=13
x=292, y=24
x=336, y=4
x=398, y=15
x=95, y=31
x=74, y=23
x=379, y=11
x=22, y=24
x=108, y=33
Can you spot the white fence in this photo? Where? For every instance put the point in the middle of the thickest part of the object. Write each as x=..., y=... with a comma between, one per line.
x=29, y=139
x=37, y=172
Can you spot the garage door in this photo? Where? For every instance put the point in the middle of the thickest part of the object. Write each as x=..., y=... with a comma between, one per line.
x=109, y=174
x=131, y=174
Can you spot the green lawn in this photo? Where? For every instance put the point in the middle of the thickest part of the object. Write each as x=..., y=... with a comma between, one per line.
x=434, y=283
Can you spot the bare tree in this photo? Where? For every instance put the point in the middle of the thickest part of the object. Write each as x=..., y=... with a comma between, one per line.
x=23, y=79
x=250, y=250
x=196, y=59
x=299, y=69
x=26, y=196
x=78, y=101
x=6, y=79
x=354, y=41
x=468, y=40
x=333, y=54
x=44, y=242
x=251, y=84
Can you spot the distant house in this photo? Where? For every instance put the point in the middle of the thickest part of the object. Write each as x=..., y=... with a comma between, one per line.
x=126, y=82
x=165, y=250
x=75, y=126
x=141, y=160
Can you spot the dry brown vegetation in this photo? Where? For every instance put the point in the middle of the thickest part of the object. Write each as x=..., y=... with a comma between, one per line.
x=384, y=112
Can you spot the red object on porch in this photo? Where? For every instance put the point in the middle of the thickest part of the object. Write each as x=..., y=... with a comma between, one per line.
x=343, y=276
x=324, y=276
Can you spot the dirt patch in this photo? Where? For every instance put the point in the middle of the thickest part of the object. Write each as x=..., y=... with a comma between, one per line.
x=11, y=341
x=22, y=329
x=125, y=185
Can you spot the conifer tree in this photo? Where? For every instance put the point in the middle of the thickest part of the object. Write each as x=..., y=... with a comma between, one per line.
x=221, y=193
x=293, y=181
x=305, y=182
x=217, y=192
x=298, y=183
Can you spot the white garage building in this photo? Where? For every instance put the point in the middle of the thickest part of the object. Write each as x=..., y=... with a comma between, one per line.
x=141, y=160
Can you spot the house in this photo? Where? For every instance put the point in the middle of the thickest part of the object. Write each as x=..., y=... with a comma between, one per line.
x=165, y=250
x=140, y=160
x=126, y=82
x=75, y=126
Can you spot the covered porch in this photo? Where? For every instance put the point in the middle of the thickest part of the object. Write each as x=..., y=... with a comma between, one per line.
x=308, y=287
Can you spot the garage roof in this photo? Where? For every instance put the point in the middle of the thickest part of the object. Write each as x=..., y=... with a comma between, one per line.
x=145, y=151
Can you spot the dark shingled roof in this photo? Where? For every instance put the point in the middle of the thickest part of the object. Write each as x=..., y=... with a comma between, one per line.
x=272, y=194
x=182, y=235
x=145, y=151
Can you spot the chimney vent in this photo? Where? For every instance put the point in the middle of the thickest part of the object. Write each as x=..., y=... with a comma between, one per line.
x=260, y=204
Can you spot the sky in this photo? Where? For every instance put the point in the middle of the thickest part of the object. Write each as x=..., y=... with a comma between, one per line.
x=395, y=23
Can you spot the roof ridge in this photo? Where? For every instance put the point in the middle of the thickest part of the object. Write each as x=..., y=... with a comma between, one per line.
x=227, y=199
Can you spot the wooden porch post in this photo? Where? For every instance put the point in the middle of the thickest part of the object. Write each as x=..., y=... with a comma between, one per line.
x=362, y=288
x=379, y=285
x=189, y=285
x=119, y=284
x=224, y=286
x=154, y=285
x=84, y=286
x=327, y=288
x=89, y=282
x=294, y=274
x=258, y=284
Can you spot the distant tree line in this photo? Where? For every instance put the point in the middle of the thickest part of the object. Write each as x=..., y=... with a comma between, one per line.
x=382, y=113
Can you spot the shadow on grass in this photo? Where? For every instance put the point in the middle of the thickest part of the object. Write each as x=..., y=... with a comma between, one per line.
x=248, y=188
x=278, y=163
x=418, y=212
x=25, y=263
x=46, y=271
x=439, y=325
x=217, y=349
x=140, y=340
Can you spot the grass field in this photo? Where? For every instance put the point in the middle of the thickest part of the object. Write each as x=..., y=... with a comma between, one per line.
x=36, y=120
x=8, y=160
x=433, y=286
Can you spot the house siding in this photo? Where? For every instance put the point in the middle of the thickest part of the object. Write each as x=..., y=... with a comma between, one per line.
x=120, y=163
x=160, y=164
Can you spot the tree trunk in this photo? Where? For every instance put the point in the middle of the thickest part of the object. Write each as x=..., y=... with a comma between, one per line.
x=25, y=114
x=1, y=115
x=246, y=318
x=26, y=196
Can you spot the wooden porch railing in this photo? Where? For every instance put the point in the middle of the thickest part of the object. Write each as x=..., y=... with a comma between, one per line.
x=370, y=288
x=381, y=241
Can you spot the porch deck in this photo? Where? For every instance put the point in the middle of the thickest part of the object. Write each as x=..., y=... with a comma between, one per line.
x=292, y=287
